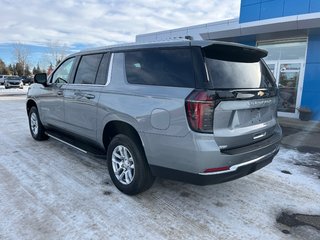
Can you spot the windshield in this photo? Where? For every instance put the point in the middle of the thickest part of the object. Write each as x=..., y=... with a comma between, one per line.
x=13, y=78
x=238, y=75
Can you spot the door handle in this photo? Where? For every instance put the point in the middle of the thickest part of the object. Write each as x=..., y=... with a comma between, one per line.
x=89, y=96
x=60, y=93
x=86, y=95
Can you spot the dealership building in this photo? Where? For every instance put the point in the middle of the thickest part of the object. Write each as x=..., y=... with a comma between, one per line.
x=288, y=29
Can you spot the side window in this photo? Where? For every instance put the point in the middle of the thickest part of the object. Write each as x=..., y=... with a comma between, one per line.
x=163, y=67
x=62, y=74
x=103, y=70
x=87, y=70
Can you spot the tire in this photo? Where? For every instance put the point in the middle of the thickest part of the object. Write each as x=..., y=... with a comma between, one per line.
x=36, y=128
x=127, y=165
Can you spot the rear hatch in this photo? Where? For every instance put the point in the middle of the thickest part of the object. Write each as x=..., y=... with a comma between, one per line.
x=244, y=94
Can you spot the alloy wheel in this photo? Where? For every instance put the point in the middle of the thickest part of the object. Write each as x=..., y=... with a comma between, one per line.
x=34, y=123
x=123, y=164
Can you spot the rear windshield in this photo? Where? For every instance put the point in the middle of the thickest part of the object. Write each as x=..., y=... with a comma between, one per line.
x=237, y=75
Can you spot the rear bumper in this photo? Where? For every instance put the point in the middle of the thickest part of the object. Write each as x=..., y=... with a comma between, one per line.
x=197, y=159
x=236, y=171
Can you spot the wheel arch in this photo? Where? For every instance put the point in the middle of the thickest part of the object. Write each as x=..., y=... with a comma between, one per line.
x=30, y=103
x=116, y=127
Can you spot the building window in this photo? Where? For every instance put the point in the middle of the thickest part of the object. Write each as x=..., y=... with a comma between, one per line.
x=286, y=61
x=284, y=50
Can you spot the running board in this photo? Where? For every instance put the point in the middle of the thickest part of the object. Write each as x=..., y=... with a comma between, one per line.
x=78, y=145
x=69, y=144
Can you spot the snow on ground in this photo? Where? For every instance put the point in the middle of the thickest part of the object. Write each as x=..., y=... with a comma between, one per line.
x=51, y=191
x=11, y=91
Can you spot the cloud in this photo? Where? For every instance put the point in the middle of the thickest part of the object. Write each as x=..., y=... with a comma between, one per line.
x=103, y=22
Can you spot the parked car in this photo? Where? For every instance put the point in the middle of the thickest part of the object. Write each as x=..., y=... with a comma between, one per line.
x=2, y=78
x=13, y=82
x=27, y=80
x=202, y=112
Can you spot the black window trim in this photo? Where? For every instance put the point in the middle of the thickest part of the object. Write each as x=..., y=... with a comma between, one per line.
x=78, y=64
x=108, y=54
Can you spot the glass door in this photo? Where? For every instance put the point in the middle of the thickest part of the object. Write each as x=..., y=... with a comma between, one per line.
x=289, y=79
x=273, y=66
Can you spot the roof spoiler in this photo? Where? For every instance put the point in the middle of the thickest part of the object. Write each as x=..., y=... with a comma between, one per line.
x=234, y=52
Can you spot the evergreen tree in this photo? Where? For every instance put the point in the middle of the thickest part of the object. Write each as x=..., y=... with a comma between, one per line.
x=3, y=68
x=11, y=69
x=38, y=68
x=19, y=69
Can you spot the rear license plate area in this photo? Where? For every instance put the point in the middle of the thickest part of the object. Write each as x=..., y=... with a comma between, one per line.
x=255, y=115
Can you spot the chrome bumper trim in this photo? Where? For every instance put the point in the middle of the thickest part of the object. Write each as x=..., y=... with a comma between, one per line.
x=236, y=166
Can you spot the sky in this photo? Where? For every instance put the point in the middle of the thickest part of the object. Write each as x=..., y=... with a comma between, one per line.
x=79, y=24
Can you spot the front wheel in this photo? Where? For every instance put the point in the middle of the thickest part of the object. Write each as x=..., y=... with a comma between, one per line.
x=36, y=128
x=127, y=165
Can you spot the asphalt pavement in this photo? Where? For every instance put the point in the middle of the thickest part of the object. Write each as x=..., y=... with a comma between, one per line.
x=301, y=135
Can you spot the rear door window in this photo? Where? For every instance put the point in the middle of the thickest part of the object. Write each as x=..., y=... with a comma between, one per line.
x=87, y=70
x=162, y=67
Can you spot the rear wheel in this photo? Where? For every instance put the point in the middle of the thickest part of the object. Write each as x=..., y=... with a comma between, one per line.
x=36, y=128
x=127, y=165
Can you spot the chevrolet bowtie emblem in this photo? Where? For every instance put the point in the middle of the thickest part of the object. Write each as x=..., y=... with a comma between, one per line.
x=260, y=94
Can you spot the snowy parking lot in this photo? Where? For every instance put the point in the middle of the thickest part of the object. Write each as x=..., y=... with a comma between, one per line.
x=11, y=91
x=51, y=191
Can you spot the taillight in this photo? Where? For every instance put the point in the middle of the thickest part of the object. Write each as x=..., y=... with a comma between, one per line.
x=199, y=108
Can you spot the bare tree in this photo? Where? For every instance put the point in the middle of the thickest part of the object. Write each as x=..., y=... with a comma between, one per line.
x=57, y=52
x=21, y=54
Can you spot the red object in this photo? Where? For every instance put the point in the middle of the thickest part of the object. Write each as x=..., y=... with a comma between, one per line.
x=219, y=169
x=49, y=71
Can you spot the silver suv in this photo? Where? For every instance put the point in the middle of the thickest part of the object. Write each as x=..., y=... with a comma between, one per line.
x=201, y=112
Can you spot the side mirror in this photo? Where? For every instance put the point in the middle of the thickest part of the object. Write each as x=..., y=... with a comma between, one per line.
x=41, y=78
